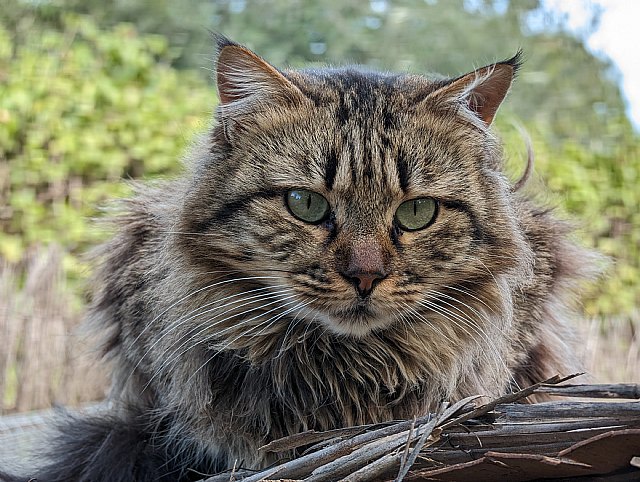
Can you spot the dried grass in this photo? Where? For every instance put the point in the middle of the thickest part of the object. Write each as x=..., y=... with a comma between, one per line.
x=43, y=361
x=611, y=349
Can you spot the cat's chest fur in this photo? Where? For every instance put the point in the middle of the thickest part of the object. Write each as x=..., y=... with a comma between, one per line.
x=321, y=388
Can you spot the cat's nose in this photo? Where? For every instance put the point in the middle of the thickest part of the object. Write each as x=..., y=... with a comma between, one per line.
x=364, y=282
x=365, y=265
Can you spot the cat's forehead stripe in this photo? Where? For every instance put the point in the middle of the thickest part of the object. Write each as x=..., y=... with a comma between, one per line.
x=367, y=101
x=365, y=147
x=403, y=170
x=331, y=168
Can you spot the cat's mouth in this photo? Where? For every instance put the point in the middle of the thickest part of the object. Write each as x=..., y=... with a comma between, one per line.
x=360, y=309
x=358, y=319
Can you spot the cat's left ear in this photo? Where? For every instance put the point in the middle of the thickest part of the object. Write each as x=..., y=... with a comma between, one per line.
x=483, y=90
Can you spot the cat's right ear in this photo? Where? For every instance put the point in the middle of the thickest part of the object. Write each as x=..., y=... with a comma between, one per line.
x=248, y=85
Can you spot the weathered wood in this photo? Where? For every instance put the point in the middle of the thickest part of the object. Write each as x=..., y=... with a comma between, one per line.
x=605, y=455
x=513, y=397
x=348, y=464
x=511, y=437
x=461, y=436
x=313, y=436
x=302, y=466
x=569, y=410
x=375, y=470
x=228, y=476
x=507, y=429
x=629, y=391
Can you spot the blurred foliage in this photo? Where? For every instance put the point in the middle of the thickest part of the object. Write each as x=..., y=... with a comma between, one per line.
x=596, y=189
x=85, y=102
x=81, y=109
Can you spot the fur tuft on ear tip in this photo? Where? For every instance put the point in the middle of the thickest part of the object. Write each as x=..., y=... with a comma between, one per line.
x=221, y=41
x=248, y=85
x=515, y=62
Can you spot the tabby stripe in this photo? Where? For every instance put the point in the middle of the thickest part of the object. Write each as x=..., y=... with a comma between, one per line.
x=352, y=161
x=402, y=167
x=312, y=283
x=330, y=169
x=438, y=255
x=231, y=208
x=383, y=155
x=479, y=234
x=342, y=112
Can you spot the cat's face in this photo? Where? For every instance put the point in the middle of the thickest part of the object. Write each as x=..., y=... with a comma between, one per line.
x=369, y=199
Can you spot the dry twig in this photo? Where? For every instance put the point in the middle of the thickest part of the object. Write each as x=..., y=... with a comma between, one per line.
x=520, y=433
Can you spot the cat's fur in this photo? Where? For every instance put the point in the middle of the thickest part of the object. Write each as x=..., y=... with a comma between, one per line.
x=227, y=320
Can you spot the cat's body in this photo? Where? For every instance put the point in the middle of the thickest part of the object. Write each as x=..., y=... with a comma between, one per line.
x=234, y=314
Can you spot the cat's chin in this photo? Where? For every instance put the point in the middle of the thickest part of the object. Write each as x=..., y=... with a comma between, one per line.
x=353, y=325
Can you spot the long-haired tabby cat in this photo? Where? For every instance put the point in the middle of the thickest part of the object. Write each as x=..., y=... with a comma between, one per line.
x=343, y=249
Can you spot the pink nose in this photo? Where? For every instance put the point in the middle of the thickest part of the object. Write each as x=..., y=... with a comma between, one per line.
x=365, y=265
x=364, y=282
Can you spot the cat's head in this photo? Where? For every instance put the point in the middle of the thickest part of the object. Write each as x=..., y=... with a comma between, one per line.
x=365, y=199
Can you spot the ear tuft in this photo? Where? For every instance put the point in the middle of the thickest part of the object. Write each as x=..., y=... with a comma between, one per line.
x=515, y=62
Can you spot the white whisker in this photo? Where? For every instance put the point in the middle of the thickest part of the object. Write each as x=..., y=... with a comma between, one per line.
x=193, y=293
x=219, y=350
x=191, y=314
x=208, y=325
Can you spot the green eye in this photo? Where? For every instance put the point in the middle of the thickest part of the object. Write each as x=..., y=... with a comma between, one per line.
x=417, y=213
x=308, y=206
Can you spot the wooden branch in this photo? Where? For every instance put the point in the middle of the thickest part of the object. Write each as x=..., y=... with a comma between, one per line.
x=461, y=437
x=537, y=412
x=304, y=465
x=629, y=391
x=312, y=436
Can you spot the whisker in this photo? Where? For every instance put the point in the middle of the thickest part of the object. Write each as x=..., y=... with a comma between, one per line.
x=469, y=293
x=407, y=321
x=490, y=273
x=295, y=322
x=437, y=296
x=216, y=235
x=190, y=315
x=193, y=293
x=468, y=322
x=300, y=304
x=448, y=314
x=219, y=350
x=432, y=325
x=207, y=326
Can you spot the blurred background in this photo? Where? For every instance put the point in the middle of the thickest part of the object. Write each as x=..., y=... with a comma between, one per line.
x=93, y=93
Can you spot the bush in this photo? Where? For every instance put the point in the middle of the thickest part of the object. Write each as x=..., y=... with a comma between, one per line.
x=80, y=109
x=595, y=187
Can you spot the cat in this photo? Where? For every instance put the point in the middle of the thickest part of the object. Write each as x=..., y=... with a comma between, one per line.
x=344, y=248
